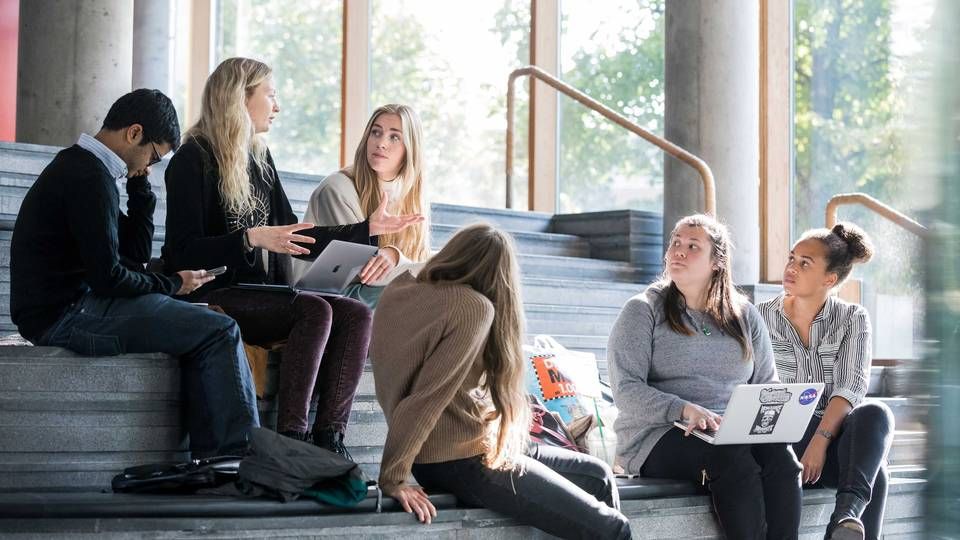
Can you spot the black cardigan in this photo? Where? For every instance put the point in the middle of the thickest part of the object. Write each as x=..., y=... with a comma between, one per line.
x=71, y=237
x=197, y=236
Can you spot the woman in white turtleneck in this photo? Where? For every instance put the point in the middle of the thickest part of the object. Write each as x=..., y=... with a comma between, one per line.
x=387, y=163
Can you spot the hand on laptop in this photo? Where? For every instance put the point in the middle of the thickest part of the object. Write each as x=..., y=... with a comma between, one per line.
x=384, y=261
x=696, y=417
x=383, y=222
x=281, y=238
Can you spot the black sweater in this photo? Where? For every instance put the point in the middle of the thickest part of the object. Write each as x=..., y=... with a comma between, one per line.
x=71, y=237
x=197, y=232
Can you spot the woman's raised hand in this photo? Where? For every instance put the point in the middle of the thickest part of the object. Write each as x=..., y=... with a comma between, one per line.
x=696, y=417
x=281, y=238
x=382, y=222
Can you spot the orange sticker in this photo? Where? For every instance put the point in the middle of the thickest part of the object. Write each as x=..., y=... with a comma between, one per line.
x=553, y=383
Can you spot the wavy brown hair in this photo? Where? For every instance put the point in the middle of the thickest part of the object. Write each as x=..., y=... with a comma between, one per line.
x=724, y=302
x=484, y=258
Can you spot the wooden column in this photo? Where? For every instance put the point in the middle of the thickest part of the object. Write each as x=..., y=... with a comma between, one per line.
x=544, y=133
x=355, y=82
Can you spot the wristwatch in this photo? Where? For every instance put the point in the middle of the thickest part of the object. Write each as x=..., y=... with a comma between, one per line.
x=825, y=434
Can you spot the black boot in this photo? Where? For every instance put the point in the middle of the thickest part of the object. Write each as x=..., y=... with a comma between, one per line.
x=331, y=440
x=296, y=435
x=845, y=521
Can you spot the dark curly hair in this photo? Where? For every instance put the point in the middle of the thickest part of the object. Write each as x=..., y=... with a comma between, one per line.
x=846, y=245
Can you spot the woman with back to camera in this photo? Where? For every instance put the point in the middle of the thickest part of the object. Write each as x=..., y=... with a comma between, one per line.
x=388, y=160
x=676, y=353
x=227, y=207
x=818, y=337
x=449, y=369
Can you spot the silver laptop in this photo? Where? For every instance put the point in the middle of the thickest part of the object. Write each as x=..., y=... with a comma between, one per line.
x=335, y=267
x=765, y=413
x=331, y=271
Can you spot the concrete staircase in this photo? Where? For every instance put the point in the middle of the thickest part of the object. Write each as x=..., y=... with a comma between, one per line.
x=68, y=424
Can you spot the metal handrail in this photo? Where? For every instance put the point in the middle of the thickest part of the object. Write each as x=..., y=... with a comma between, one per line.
x=684, y=156
x=876, y=206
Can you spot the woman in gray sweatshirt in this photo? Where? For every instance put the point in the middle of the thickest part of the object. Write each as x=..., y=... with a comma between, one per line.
x=676, y=352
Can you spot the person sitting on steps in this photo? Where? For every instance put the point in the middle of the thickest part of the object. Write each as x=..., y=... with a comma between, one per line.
x=77, y=278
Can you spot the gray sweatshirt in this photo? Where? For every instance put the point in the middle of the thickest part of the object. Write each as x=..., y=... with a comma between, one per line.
x=655, y=371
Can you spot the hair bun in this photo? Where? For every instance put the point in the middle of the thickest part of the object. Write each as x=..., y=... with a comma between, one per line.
x=859, y=245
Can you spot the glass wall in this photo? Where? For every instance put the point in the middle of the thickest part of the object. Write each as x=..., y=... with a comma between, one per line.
x=857, y=73
x=301, y=40
x=450, y=61
x=614, y=52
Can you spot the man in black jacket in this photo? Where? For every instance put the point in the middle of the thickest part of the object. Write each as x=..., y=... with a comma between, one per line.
x=77, y=278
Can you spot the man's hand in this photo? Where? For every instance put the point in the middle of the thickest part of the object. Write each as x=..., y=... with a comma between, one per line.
x=193, y=280
x=382, y=222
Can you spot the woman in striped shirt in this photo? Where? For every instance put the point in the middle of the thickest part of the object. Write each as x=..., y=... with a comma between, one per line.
x=817, y=337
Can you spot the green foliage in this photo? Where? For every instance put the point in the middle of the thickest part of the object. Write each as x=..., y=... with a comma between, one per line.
x=464, y=121
x=849, y=127
x=603, y=166
x=301, y=40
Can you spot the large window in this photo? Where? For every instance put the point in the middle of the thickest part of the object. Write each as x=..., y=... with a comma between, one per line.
x=856, y=78
x=301, y=40
x=613, y=51
x=450, y=61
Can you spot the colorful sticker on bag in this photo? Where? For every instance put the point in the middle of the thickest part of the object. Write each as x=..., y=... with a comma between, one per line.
x=553, y=384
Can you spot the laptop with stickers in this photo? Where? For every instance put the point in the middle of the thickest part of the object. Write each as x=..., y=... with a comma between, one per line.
x=764, y=413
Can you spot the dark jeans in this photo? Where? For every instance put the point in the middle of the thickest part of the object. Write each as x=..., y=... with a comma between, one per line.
x=326, y=346
x=856, y=459
x=221, y=406
x=755, y=488
x=564, y=493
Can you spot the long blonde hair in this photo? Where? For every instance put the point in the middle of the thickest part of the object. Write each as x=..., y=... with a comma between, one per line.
x=412, y=241
x=484, y=258
x=225, y=123
x=724, y=302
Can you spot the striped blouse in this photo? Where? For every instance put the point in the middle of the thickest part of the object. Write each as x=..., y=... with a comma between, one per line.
x=839, y=354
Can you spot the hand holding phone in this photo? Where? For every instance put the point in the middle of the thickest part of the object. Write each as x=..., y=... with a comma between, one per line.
x=216, y=271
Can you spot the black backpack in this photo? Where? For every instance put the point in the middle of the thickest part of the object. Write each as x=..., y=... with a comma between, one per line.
x=185, y=477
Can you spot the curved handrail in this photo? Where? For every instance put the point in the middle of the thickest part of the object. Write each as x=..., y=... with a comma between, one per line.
x=709, y=191
x=876, y=206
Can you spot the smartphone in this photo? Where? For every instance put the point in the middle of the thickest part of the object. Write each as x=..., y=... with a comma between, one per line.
x=217, y=271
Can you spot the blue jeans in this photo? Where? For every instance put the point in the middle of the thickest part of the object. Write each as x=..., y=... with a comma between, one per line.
x=221, y=406
x=564, y=493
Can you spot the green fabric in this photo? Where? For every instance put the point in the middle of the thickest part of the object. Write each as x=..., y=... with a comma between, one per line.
x=364, y=293
x=344, y=491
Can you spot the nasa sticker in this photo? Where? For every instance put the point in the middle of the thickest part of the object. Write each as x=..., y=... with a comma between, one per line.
x=808, y=396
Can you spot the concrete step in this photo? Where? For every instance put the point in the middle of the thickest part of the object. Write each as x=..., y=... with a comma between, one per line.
x=687, y=516
x=579, y=268
x=570, y=292
x=560, y=319
x=536, y=243
x=510, y=220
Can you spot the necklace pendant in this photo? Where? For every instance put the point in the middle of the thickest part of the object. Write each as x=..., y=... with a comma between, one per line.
x=706, y=331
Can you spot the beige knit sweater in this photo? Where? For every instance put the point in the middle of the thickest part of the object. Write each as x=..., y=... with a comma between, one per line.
x=426, y=350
